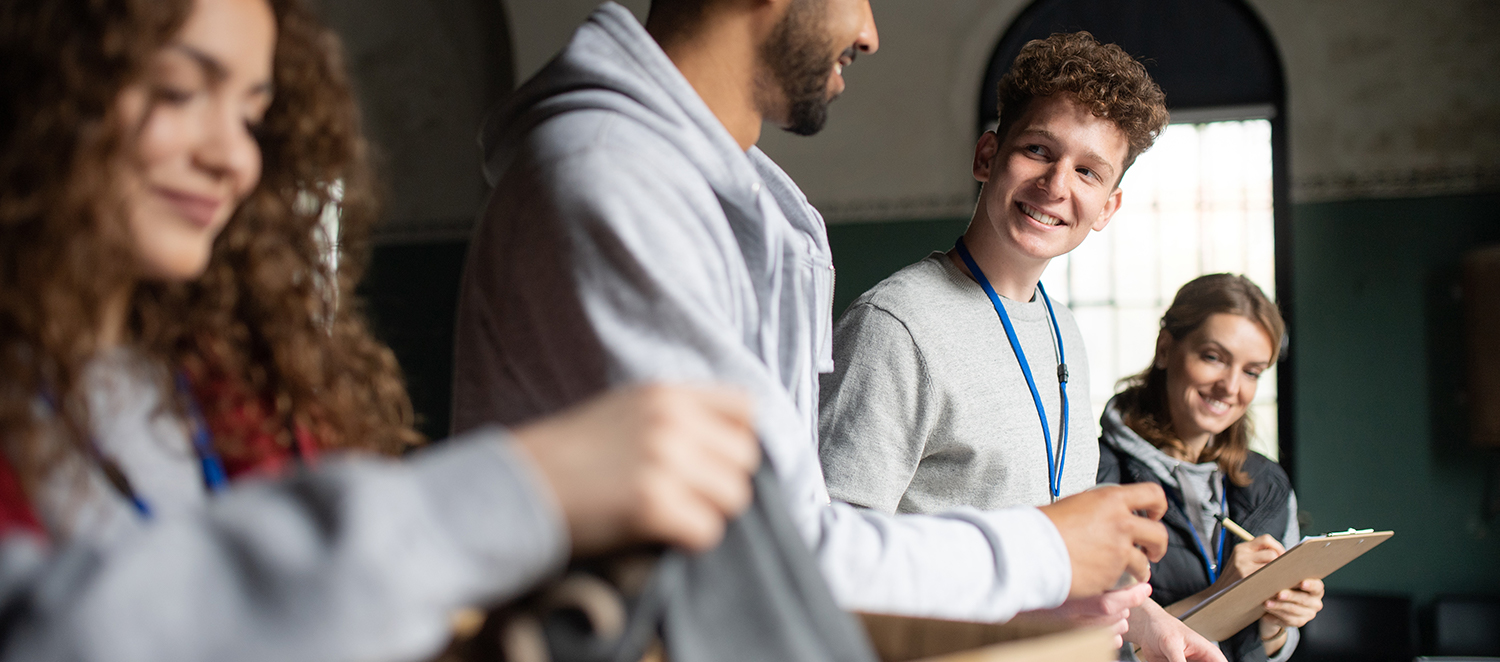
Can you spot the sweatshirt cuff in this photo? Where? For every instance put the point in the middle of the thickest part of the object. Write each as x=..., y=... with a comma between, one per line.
x=495, y=507
x=1293, y=635
x=1031, y=560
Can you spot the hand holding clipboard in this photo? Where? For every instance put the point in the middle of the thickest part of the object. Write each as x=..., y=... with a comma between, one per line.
x=1232, y=608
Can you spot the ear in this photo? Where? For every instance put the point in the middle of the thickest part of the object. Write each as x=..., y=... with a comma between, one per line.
x=1111, y=206
x=1164, y=344
x=984, y=155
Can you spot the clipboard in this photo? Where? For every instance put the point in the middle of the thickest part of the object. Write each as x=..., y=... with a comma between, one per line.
x=1241, y=603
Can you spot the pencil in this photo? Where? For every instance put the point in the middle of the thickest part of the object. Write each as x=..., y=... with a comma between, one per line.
x=1235, y=528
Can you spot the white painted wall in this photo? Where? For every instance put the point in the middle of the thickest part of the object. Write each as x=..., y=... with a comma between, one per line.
x=1385, y=98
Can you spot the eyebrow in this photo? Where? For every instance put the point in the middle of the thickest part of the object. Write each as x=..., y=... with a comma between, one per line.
x=213, y=68
x=1104, y=164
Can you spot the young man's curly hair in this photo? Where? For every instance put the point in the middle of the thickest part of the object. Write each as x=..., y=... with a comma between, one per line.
x=1101, y=77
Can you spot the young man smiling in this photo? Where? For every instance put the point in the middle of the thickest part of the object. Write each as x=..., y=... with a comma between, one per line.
x=947, y=387
x=634, y=232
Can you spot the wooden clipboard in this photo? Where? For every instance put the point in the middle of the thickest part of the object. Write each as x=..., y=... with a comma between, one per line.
x=1241, y=603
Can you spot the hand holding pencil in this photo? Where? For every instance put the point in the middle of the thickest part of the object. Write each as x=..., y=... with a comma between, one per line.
x=1293, y=607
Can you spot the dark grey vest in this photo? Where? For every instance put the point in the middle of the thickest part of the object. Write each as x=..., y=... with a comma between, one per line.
x=1260, y=507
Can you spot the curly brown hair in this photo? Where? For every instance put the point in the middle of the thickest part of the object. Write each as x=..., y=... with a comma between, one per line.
x=269, y=316
x=1100, y=77
x=1143, y=404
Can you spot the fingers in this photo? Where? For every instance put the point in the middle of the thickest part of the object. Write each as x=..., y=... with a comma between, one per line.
x=730, y=403
x=1147, y=499
x=1123, y=600
x=671, y=513
x=713, y=464
x=1267, y=541
x=650, y=463
x=702, y=451
x=1138, y=565
x=1295, y=607
x=1147, y=536
x=1105, y=537
x=1198, y=649
x=1312, y=587
x=720, y=420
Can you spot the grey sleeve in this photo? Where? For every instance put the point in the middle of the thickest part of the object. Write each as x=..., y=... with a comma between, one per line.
x=876, y=410
x=361, y=559
x=631, y=283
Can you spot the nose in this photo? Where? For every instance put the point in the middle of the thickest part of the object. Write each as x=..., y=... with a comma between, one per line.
x=1053, y=181
x=868, y=40
x=227, y=150
x=1229, y=382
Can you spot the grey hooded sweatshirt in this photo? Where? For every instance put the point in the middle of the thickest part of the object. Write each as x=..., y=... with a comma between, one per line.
x=359, y=559
x=628, y=237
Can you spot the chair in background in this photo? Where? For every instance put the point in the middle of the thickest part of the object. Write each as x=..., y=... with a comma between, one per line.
x=1359, y=628
x=1465, y=626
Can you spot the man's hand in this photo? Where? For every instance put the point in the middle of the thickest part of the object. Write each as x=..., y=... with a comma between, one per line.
x=1105, y=537
x=647, y=464
x=1163, y=638
x=1109, y=609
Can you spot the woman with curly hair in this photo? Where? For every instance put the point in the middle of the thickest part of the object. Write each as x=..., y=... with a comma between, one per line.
x=170, y=325
x=1184, y=424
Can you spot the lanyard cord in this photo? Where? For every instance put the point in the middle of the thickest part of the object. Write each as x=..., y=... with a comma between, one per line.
x=1214, y=565
x=1054, y=465
x=215, y=478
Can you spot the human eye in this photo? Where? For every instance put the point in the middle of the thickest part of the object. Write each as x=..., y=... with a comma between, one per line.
x=1211, y=357
x=1037, y=150
x=1088, y=173
x=173, y=95
x=255, y=108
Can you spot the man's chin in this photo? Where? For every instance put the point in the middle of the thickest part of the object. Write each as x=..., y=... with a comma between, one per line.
x=807, y=124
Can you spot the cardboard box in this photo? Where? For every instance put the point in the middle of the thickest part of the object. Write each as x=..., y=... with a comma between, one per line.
x=902, y=639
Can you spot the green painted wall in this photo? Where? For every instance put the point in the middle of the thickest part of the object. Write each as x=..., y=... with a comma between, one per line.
x=865, y=253
x=1380, y=442
x=410, y=294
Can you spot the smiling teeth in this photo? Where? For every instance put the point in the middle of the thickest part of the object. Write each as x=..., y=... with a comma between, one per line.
x=838, y=68
x=1039, y=216
x=1216, y=406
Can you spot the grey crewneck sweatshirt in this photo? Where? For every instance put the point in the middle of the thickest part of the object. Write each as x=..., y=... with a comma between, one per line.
x=927, y=408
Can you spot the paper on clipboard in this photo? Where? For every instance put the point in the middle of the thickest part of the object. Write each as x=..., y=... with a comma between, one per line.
x=1241, y=603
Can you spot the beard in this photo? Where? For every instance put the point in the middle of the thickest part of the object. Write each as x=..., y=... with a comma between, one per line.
x=797, y=57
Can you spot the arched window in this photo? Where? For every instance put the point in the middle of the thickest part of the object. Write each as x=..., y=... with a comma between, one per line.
x=1209, y=197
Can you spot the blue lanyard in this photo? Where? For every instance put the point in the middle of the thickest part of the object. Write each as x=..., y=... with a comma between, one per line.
x=1214, y=565
x=1054, y=467
x=215, y=478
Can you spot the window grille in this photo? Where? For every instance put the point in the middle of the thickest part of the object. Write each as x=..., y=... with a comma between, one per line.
x=1198, y=202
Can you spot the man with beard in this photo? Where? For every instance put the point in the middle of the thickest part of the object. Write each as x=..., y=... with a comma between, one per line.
x=634, y=233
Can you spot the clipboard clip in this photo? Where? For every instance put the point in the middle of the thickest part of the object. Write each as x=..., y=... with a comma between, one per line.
x=1351, y=532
